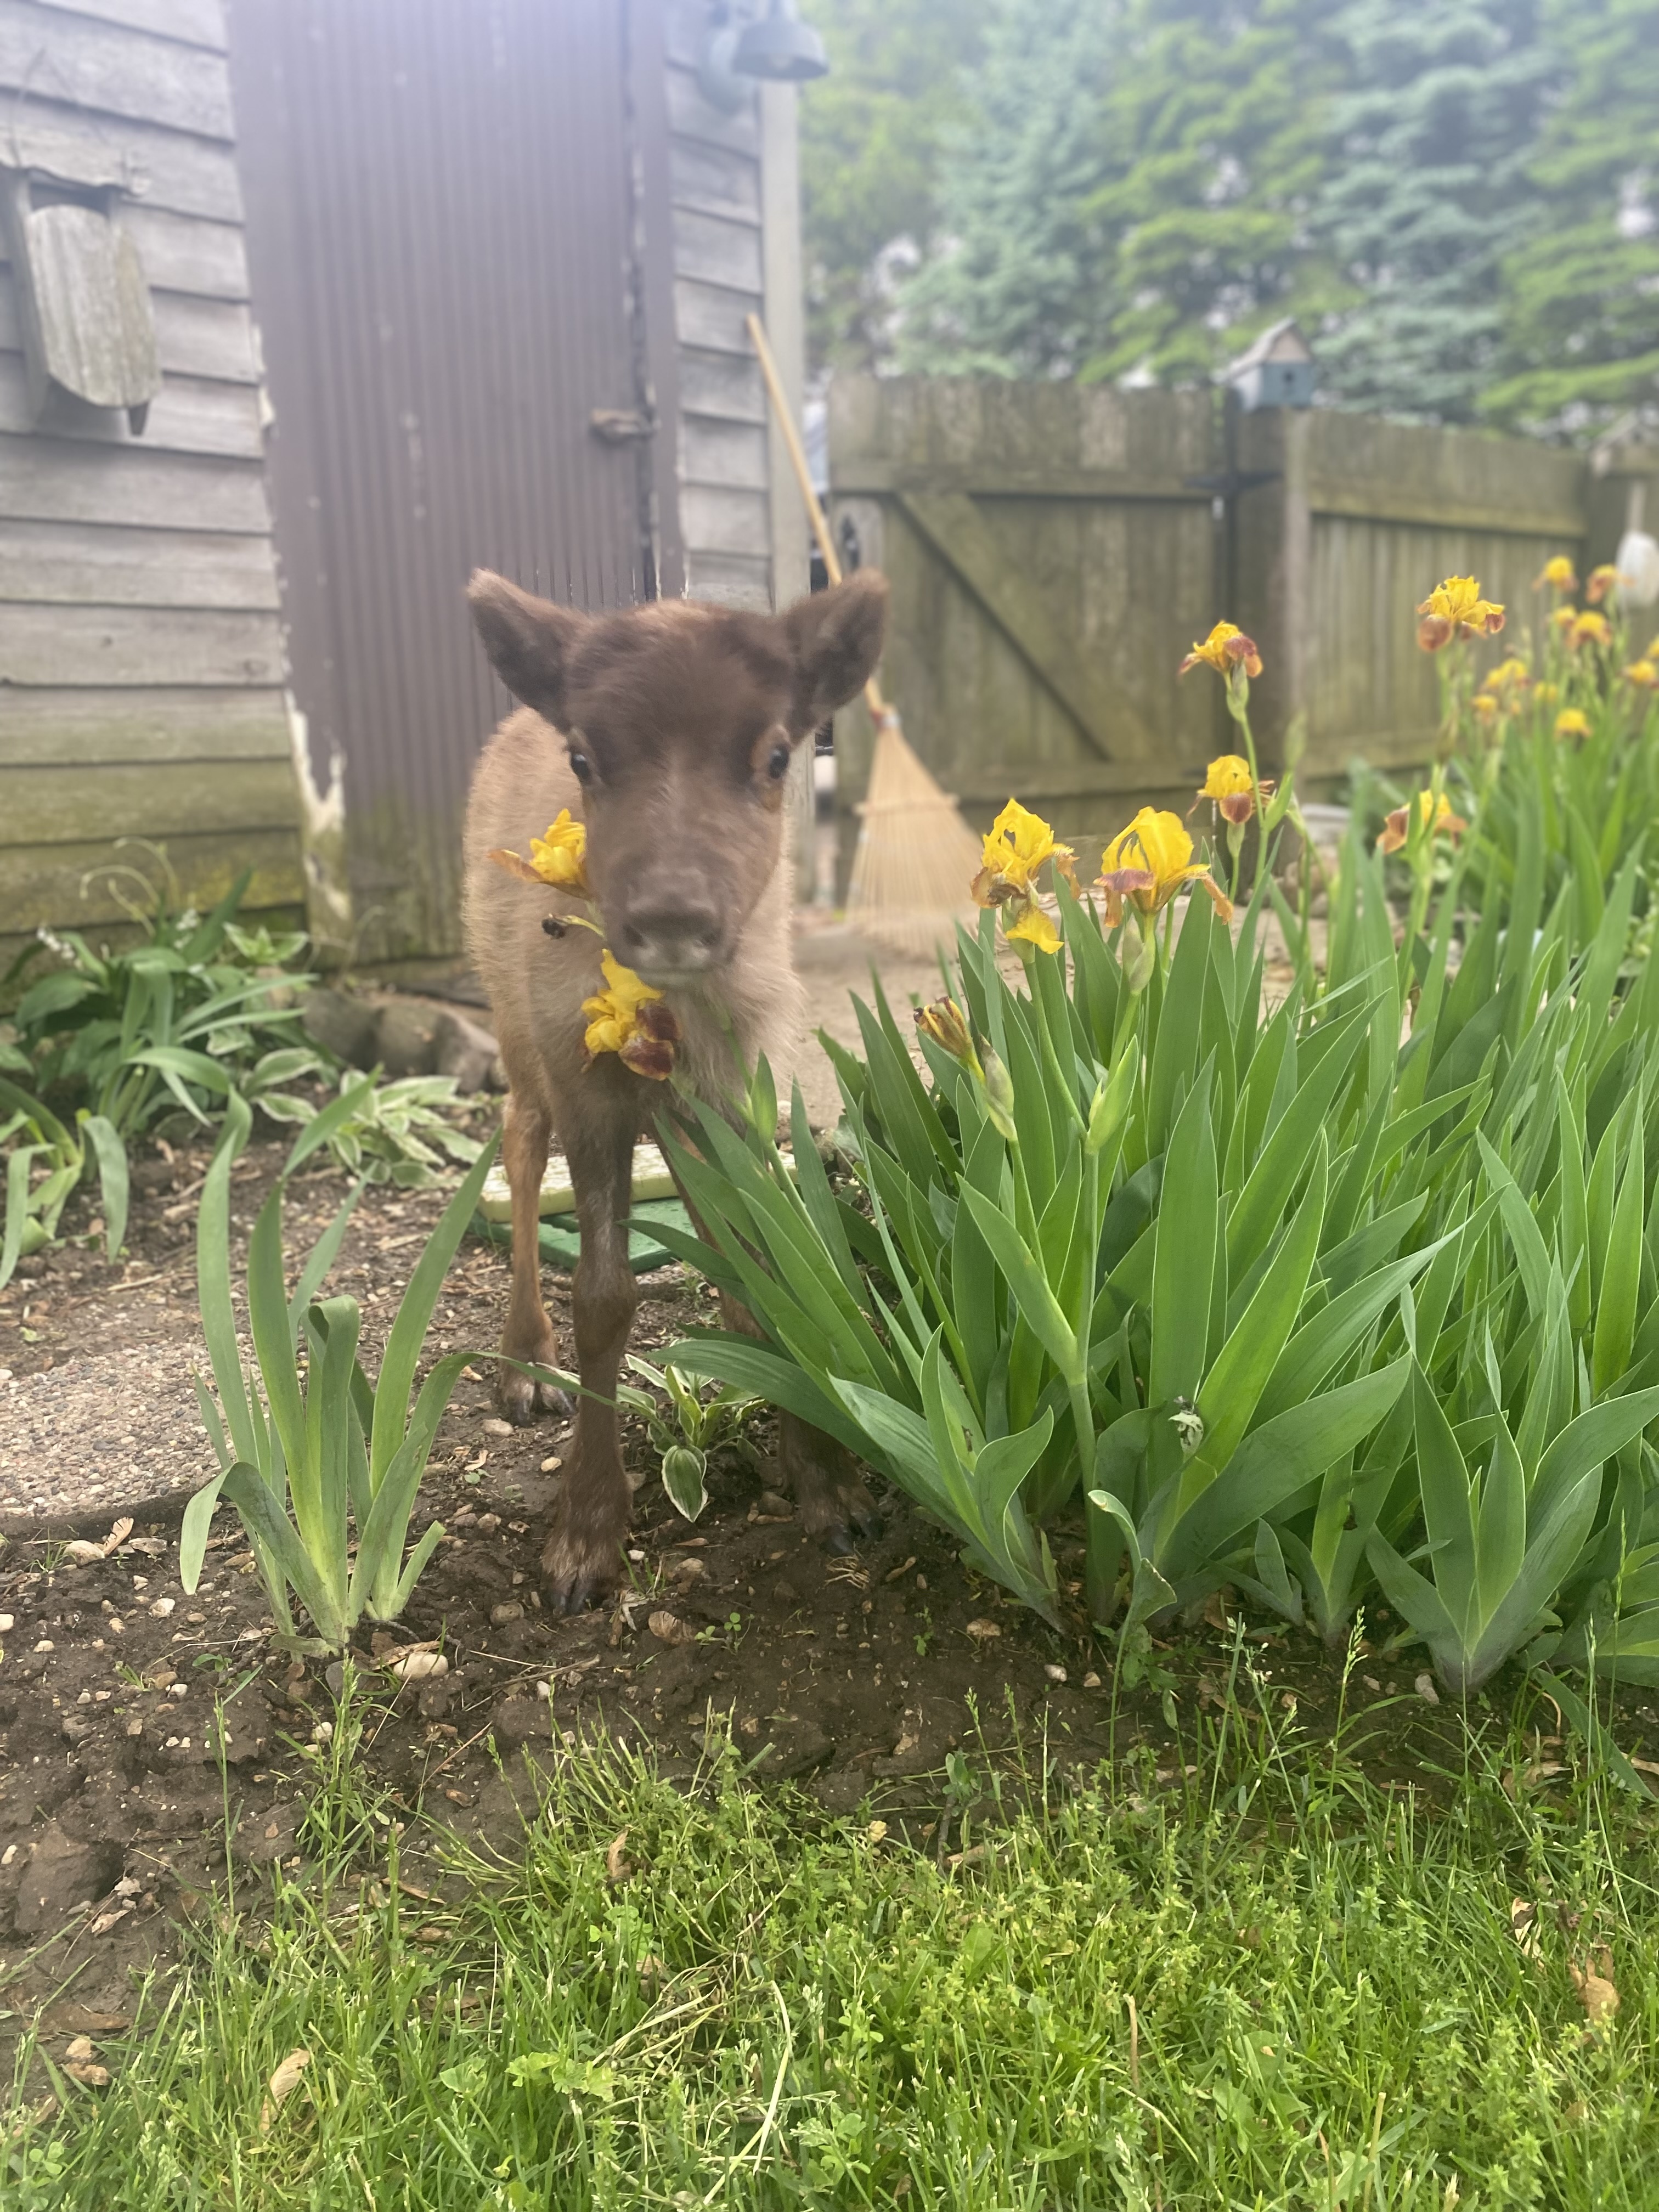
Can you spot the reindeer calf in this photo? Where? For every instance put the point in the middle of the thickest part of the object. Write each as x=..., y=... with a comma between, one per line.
x=668, y=730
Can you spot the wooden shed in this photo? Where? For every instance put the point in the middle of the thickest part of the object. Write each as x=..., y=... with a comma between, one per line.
x=431, y=285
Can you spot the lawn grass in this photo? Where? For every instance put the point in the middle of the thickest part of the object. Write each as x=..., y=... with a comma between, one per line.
x=1268, y=1982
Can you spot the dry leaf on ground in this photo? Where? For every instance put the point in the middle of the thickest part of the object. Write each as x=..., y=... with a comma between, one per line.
x=1523, y=1925
x=982, y=1630
x=282, y=2082
x=617, y=1865
x=1593, y=1983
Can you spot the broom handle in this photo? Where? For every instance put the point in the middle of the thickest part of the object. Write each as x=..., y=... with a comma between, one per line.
x=785, y=421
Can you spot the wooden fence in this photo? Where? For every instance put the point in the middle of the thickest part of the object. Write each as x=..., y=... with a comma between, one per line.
x=1054, y=549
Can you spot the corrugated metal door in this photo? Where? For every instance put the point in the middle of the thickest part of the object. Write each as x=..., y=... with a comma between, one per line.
x=443, y=208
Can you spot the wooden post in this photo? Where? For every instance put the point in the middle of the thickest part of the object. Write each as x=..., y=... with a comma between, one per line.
x=785, y=316
x=1272, y=556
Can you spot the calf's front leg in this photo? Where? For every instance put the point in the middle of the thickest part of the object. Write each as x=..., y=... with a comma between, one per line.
x=824, y=1474
x=582, y=1557
x=528, y=1334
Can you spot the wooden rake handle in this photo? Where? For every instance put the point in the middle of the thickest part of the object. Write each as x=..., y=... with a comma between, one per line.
x=878, y=707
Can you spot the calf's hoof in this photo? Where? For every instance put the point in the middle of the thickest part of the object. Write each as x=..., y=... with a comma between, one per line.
x=836, y=1508
x=579, y=1567
x=520, y=1397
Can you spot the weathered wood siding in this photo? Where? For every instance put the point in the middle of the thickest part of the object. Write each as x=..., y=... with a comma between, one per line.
x=716, y=186
x=141, y=656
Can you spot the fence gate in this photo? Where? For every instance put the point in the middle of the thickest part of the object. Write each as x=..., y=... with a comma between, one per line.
x=1052, y=551
x=441, y=223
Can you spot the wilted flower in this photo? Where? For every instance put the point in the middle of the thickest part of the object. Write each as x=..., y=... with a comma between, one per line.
x=1019, y=842
x=1644, y=673
x=1226, y=649
x=1227, y=781
x=1573, y=722
x=629, y=1018
x=1434, y=811
x=1148, y=863
x=1558, y=574
x=1590, y=629
x=946, y=1022
x=1454, y=608
x=1602, y=581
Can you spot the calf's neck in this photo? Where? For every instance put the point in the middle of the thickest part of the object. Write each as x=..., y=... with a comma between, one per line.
x=668, y=730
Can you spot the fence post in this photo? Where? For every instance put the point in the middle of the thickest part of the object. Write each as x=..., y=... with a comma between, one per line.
x=1272, y=561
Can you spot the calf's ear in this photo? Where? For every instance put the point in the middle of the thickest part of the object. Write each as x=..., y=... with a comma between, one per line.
x=528, y=640
x=835, y=641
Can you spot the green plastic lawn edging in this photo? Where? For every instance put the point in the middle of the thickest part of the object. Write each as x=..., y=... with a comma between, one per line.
x=561, y=1240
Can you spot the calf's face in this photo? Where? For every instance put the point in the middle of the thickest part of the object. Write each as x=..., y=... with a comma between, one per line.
x=680, y=721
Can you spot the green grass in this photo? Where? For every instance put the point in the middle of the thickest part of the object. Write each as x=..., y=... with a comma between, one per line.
x=1272, y=1984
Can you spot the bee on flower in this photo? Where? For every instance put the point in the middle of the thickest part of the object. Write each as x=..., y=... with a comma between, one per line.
x=1591, y=628
x=1571, y=723
x=1456, y=609
x=1557, y=573
x=1019, y=844
x=1228, y=782
x=1434, y=811
x=1644, y=673
x=1602, y=581
x=630, y=1018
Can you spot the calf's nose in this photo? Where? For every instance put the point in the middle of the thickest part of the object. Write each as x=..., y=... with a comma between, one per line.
x=674, y=935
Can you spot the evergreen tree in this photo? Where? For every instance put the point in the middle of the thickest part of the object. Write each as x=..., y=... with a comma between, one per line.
x=1216, y=114
x=1582, y=286
x=1013, y=285
x=1427, y=195
x=870, y=135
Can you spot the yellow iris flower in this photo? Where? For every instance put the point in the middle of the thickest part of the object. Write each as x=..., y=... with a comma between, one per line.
x=1227, y=781
x=1510, y=675
x=1573, y=722
x=1557, y=573
x=1644, y=673
x=1455, y=608
x=1602, y=581
x=560, y=857
x=1564, y=618
x=1019, y=844
x=629, y=1018
x=1148, y=863
x=1590, y=630
x=1226, y=649
x=1396, y=826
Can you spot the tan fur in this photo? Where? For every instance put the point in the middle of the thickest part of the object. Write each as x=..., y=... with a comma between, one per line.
x=685, y=714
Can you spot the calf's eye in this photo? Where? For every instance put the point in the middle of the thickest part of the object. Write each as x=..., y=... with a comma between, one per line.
x=777, y=762
x=580, y=766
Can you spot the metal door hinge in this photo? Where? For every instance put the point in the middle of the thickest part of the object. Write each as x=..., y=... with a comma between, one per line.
x=622, y=425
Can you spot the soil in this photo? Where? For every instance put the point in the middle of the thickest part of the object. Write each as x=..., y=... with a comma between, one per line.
x=153, y=1743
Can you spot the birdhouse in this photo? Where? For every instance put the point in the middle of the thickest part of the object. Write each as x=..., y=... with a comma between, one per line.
x=83, y=302
x=1277, y=370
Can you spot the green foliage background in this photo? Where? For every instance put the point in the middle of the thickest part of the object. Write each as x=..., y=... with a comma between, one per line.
x=1461, y=205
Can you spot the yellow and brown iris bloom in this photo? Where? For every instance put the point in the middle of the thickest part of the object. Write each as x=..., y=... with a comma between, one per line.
x=1510, y=675
x=1546, y=694
x=1590, y=629
x=1019, y=844
x=1644, y=674
x=1602, y=581
x=1227, y=781
x=1453, y=609
x=1435, y=813
x=1149, y=862
x=1226, y=650
x=1557, y=573
x=1573, y=722
x=1564, y=618
x=630, y=1018
x=559, y=858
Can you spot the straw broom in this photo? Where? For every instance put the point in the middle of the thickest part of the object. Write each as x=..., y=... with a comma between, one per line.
x=915, y=857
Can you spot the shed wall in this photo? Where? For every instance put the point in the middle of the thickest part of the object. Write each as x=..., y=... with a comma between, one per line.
x=141, y=656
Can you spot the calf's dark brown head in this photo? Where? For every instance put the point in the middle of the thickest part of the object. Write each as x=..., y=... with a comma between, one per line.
x=680, y=721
